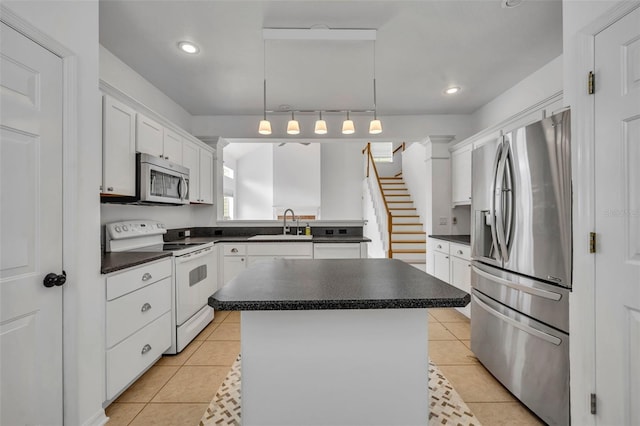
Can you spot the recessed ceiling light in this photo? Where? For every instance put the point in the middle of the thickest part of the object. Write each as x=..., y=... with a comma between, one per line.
x=452, y=90
x=188, y=47
x=508, y=4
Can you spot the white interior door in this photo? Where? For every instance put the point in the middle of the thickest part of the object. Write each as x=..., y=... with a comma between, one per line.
x=31, y=231
x=617, y=201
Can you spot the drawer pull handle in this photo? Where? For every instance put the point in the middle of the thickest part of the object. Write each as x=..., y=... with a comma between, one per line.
x=234, y=250
x=439, y=246
x=459, y=251
x=145, y=307
x=146, y=349
x=146, y=276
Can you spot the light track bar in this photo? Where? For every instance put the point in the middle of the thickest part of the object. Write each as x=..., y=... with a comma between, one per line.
x=318, y=34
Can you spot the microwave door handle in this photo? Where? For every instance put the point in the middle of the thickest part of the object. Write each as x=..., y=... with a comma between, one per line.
x=182, y=193
x=492, y=201
x=499, y=196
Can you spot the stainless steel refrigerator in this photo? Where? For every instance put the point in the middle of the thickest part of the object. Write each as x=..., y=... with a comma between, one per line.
x=521, y=263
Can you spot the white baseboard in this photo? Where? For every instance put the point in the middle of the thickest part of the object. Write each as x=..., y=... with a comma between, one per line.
x=98, y=419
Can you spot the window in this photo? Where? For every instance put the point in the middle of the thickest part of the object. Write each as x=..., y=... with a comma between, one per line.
x=382, y=152
x=227, y=207
x=228, y=172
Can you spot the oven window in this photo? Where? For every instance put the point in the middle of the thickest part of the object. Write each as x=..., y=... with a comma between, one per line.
x=198, y=274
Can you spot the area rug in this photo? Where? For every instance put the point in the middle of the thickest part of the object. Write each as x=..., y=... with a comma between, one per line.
x=445, y=408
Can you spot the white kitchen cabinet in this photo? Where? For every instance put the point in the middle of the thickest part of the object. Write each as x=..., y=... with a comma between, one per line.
x=118, y=148
x=137, y=322
x=149, y=136
x=339, y=250
x=460, y=266
x=199, y=161
x=172, y=146
x=233, y=260
x=441, y=266
x=258, y=252
x=461, y=176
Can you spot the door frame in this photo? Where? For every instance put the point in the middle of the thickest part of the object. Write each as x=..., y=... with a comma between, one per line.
x=581, y=54
x=69, y=180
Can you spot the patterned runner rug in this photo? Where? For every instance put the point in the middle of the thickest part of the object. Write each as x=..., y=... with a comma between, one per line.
x=446, y=407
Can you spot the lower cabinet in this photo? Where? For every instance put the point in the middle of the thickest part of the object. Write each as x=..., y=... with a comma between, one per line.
x=233, y=261
x=339, y=250
x=138, y=322
x=451, y=262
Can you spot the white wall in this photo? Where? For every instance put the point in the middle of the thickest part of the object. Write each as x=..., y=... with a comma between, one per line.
x=538, y=86
x=120, y=75
x=341, y=181
x=414, y=172
x=296, y=178
x=254, y=185
x=74, y=24
x=170, y=216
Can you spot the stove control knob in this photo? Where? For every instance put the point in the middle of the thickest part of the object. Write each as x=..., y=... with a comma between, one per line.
x=125, y=228
x=118, y=229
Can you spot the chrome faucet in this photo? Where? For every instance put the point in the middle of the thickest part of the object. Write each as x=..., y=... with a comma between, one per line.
x=285, y=229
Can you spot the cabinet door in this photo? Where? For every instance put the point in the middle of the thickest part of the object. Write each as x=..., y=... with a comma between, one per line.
x=172, y=146
x=461, y=176
x=118, y=148
x=461, y=278
x=149, y=136
x=191, y=160
x=441, y=266
x=336, y=251
x=233, y=265
x=206, y=176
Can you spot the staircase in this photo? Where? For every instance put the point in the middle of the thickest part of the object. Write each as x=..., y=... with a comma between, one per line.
x=408, y=239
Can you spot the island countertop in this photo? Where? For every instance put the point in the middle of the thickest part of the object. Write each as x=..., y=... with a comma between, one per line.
x=286, y=284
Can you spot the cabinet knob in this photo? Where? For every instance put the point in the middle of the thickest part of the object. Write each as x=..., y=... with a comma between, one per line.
x=439, y=246
x=145, y=307
x=146, y=348
x=166, y=158
x=146, y=277
x=110, y=188
x=234, y=250
x=459, y=251
x=446, y=257
x=242, y=259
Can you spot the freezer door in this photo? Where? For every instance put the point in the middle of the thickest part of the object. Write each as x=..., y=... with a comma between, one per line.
x=527, y=357
x=484, y=163
x=537, y=200
x=545, y=302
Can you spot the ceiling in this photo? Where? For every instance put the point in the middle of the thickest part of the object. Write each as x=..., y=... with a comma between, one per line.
x=422, y=47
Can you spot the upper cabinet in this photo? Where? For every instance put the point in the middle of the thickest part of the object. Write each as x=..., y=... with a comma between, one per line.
x=461, y=176
x=155, y=139
x=199, y=161
x=118, y=148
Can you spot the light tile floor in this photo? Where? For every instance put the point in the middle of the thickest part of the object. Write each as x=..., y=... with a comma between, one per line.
x=178, y=388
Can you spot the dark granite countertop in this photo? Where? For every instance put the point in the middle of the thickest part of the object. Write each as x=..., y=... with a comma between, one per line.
x=245, y=239
x=285, y=284
x=112, y=262
x=460, y=239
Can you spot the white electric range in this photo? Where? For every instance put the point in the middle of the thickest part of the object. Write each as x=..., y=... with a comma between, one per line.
x=194, y=274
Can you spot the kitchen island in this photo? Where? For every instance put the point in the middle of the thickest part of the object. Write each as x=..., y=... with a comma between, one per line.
x=335, y=342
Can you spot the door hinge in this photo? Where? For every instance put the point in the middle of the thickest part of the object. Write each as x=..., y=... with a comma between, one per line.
x=592, y=242
x=591, y=85
x=593, y=403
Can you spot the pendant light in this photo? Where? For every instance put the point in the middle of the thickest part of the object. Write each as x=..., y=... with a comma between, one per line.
x=265, y=126
x=321, y=126
x=347, y=126
x=375, y=126
x=293, y=128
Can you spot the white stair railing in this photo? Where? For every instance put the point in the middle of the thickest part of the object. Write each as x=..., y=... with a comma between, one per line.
x=380, y=207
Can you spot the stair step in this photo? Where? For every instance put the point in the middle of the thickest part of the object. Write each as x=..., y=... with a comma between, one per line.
x=406, y=227
x=405, y=219
x=397, y=198
x=409, y=251
x=394, y=192
x=408, y=245
x=408, y=236
x=410, y=257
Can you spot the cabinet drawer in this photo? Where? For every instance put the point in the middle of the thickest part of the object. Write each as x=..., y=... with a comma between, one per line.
x=235, y=249
x=460, y=250
x=133, y=311
x=132, y=356
x=132, y=279
x=281, y=249
x=336, y=251
x=442, y=246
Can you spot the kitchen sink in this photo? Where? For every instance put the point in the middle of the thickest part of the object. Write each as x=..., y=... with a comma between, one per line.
x=280, y=237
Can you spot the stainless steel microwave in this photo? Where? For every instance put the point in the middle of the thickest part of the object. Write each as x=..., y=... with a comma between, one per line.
x=158, y=181
x=161, y=181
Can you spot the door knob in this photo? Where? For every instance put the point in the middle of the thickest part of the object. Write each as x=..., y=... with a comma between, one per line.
x=52, y=279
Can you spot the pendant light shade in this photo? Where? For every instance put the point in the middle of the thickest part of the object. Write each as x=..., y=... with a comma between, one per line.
x=347, y=126
x=375, y=127
x=321, y=126
x=265, y=127
x=293, y=128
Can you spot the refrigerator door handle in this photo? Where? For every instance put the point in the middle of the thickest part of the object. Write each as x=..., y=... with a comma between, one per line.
x=509, y=197
x=527, y=329
x=492, y=201
x=525, y=289
x=498, y=197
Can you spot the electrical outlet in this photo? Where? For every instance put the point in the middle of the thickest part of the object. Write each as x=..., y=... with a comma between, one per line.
x=187, y=233
x=443, y=221
x=454, y=220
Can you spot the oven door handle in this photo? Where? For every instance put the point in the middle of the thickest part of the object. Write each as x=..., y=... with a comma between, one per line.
x=526, y=328
x=193, y=256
